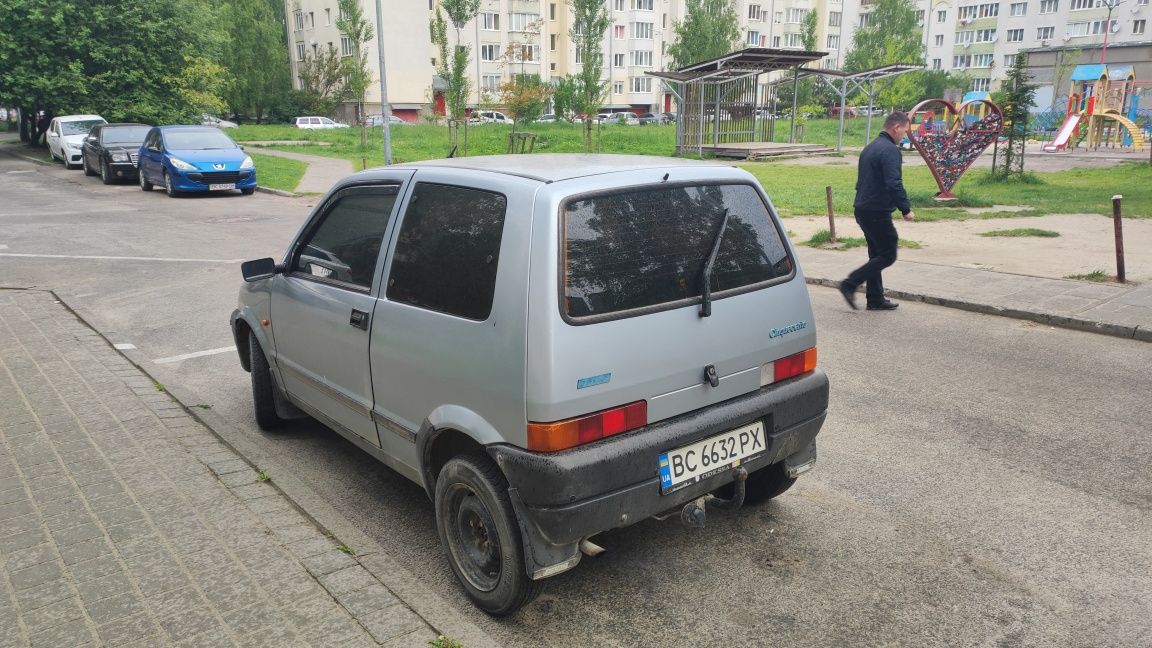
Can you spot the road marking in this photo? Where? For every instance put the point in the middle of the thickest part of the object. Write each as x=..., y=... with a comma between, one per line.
x=117, y=258
x=124, y=346
x=196, y=354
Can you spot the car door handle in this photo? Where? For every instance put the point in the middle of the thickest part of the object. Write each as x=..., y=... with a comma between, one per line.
x=359, y=319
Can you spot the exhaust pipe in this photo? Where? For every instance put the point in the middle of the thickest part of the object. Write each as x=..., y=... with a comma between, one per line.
x=590, y=549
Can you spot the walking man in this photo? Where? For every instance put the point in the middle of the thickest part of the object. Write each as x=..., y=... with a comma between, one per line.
x=879, y=191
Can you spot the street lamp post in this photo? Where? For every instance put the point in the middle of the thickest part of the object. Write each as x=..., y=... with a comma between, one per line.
x=385, y=109
x=1111, y=4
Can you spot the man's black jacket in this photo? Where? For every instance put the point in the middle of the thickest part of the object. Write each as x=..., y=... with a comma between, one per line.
x=879, y=186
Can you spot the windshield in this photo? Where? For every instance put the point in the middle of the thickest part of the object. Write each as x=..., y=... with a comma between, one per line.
x=125, y=134
x=79, y=127
x=645, y=248
x=198, y=139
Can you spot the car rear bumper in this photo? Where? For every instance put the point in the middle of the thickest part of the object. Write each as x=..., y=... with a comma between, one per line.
x=567, y=496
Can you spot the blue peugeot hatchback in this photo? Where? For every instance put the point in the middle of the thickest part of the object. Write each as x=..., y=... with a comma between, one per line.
x=194, y=158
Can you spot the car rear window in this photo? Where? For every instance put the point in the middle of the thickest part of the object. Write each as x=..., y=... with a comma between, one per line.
x=642, y=249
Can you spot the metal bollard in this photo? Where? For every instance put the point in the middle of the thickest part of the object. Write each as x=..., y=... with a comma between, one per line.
x=1118, y=224
x=831, y=215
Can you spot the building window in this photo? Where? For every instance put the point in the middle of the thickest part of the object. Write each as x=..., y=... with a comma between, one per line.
x=864, y=20
x=833, y=42
x=754, y=12
x=753, y=39
x=1019, y=8
x=642, y=59
x=794, y=40
x=327, y=16
x=311, y=20
x=617, y=60
x=618, y=32
x=490, y=21
x=779, y=15
x=962, y=61
x=489, y=52
x=1015, y=35
x=579, y=58
x=981, y=85
x=1138, y=27
x=936, y=63
x=795, y=16
x=834, y=18
x=1049, y=6
x=298, y=19
x=1009, y=60
x=617, y=87
x=618, y=5
x=938, y=40
x=642, y=30
x=967, y=14
x=490, y=82
x=985, y=35
x=989, y=10
x=552, y=42
x=1045, y=33
x=527, y=53
x=982, y=61
x=641, y=84
x=1078, y=5
x=941, y=16
x=642, y=5
x=299, y=50
x=1101, y=26
x=552, y=11
x=345, y=45
x=1077, y=29
x=963, y=37
x=520, y=22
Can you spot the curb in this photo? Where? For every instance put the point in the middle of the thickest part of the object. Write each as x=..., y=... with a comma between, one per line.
x=26, y=157
x=277, y=192
x=1051, y=319
x=436, y=612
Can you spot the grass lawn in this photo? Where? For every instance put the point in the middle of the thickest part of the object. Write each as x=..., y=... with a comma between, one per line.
x=823, y=239
x=1023, y=231
x=795, y=189
x=277, y=172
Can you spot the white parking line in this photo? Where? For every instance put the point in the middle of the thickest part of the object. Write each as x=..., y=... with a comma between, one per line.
x=117, y=258
x=196, y=354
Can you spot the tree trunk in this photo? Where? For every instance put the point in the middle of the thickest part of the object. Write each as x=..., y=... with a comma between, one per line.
x=22, y=117
x=587, y=134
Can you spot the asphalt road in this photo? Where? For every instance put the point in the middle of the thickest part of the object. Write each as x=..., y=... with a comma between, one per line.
x=982, y=481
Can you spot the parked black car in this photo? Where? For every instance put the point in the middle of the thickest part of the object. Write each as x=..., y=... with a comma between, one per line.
x=110, y=150
x=669, y=118
x=649, y=118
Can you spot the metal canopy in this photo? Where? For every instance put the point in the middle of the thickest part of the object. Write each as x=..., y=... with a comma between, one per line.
x=731, y=71
x=862, y=81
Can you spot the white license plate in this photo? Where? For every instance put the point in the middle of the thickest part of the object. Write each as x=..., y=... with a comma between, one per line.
x=221, y=187
x=692, y=463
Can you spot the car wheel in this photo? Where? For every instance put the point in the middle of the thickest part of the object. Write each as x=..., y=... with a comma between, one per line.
x=263, y=397
x=762, y=485
x=84, y=163
x=249, y=191
x=105, y=174
x=144, y=184
x=480, y=534
x=169, y=188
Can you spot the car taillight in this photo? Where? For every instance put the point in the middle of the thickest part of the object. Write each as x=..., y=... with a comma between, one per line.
x=569, y=433
x=788, y=367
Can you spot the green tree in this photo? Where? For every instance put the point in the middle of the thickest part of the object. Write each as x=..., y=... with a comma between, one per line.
x=710, y=29
x=892, y=36
x=565, y=97
x=589, y=23
x=322, y=82
x=452, y=68
x=524, y=97
x=1015, y=98
x=806, y=89
x=257, y=59
x=354, y=24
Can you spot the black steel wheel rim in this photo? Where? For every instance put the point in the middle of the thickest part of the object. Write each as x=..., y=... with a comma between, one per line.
x=473, y=538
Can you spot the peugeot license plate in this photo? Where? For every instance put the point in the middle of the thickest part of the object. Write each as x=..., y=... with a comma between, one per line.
x=692, y=463
x=221, y=187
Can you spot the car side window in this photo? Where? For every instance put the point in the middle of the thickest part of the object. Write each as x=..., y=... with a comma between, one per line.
x=344, y=245
x=448, y=250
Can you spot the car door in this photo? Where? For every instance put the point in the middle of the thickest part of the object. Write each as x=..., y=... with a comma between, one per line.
x=91, y=150
x=322, y=307
x=53, y=137
x=150, y=155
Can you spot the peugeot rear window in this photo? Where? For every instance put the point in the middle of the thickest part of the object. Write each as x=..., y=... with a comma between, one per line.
x=647, y=248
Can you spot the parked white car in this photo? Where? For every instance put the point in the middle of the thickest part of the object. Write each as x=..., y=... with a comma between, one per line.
x=489, y=117
x=66, y=137
x=317, y=123
x=212, y=120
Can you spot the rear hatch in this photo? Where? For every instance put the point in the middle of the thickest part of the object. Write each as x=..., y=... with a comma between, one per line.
x=628, y=323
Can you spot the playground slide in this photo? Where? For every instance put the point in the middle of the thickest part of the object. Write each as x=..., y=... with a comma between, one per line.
x=1063, y=135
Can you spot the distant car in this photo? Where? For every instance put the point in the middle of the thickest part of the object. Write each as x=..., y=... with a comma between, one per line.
x=112, y=150
x=194, y=159
x=669, y=117
x=547, y=118
x=210, y=120
x=629, y=118
x=651, y=118
x=489, y=117
x=378, y=120
x=317, y=123
x=66, y=137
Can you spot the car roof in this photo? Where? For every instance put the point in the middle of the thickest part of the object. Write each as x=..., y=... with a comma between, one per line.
x=106, y=126
x=553, y=167
x=189, y=127
x=68, y=118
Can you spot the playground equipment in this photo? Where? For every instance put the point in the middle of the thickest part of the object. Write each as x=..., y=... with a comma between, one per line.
x=1102, y=105
x=949, y=141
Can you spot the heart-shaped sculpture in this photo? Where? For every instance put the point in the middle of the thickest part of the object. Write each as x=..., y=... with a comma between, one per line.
x=949, y=143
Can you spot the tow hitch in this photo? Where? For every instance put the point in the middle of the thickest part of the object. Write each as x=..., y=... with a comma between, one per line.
x=693, y=514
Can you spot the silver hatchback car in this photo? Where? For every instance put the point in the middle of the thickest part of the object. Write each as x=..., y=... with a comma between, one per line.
x=551, y=345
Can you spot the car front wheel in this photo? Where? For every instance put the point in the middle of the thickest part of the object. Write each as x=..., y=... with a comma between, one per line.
x=169, y=187
x=263, y=396
x=480, y=534
x=105, y=174
x=84, y=163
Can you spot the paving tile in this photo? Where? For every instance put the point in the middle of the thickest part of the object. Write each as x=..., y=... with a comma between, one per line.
x=76, y=534
x=253, y=618
x=115, y=607
x=68, y=520
x=90, y=570
x=175, y=601
x=21, y=540
x=30, y=556
x=417, y=639
x=391, y=622
x=327, y=562
x=36, y=575
x=86, y=550
x=347, y=580
x=65, y=635
x=113, y=584
x=189, y=623
x=52, y=615
x=371, y=598
x=128, y=629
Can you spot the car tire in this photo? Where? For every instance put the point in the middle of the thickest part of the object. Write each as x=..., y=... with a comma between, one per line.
x=263, y=396
x=144, y=184
x=481, y=536
x=249, y=191
x=105, y=174
x=169, y=188
x=84, y=163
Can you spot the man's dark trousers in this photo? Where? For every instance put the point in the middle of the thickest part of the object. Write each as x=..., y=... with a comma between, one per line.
x=882, y=240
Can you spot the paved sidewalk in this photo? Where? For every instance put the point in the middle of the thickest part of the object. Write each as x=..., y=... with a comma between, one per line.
x=123, y=521
x=322, y=172
x=1111, y=309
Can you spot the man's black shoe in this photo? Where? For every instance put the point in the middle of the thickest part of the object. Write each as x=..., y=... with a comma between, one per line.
x=849, y=295
x=884, y=305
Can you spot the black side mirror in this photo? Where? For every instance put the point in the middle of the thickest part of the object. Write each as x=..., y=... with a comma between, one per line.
x=259, y=269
